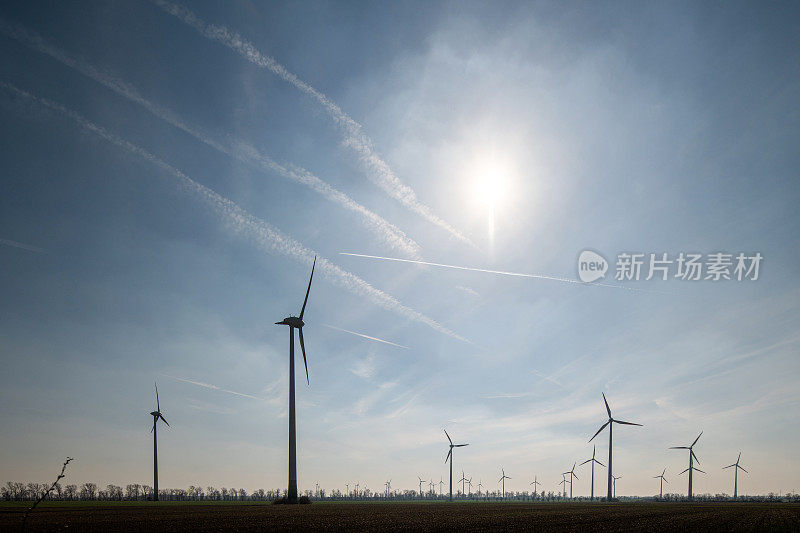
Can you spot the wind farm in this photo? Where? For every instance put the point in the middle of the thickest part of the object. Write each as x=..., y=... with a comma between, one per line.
x=503, y=209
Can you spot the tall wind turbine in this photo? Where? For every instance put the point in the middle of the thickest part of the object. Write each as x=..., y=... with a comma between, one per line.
x=462, y=481
x=440, y=486
x=736, y=469
x=571, y=475
x=450, y=457
x=692, y=458
x=295, y=322
x=593, y=461
x=615, y=484
x=610, y=423
x=156, y=415
x=535, y=484
x=663, y=479
x=564, y=483
x=503, y=481
x=469, y=484
x=480, y=484
x=421, y=481
x=388, y=487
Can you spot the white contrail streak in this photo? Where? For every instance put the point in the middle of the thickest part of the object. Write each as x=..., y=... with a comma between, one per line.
x=257, y=231
x=365, y=336
x=23, y=246
x=501, y=272
x=378, y=170
x=214, y=387
x=388, y=233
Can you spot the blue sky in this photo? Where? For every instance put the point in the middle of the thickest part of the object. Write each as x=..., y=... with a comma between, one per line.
x=164, y=191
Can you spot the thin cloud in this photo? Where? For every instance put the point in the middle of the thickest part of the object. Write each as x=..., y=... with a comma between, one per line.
x=214, y=387
x=260, y=233
x=501, y=272
x=378, y=170
x=23, y=246
x=365, y=336
x=388, y=233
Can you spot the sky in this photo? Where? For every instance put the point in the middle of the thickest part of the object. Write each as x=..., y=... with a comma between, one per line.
x=170, y=172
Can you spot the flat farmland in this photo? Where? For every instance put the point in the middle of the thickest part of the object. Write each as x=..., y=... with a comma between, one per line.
x=470, y=516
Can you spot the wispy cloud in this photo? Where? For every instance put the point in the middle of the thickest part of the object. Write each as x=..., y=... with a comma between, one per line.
x=472, y=292
x=23, y=246
x=500, y=272
x=214, y=387
x=260, y=233
x=377, y=169
x=389, y=234
x=364, y=368
x=365, y=336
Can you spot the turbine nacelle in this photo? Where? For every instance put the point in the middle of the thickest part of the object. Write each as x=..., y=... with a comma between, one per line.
x=292, y=321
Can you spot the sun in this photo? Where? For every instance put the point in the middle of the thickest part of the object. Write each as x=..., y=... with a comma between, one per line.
x=489, y=182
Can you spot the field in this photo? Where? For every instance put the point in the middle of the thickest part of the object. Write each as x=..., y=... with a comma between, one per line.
x=199, y=516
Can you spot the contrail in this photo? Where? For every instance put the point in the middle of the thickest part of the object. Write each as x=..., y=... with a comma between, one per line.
x=214, y=387
x=365, y=336
x=257, y=231
x=378, y=170
x=388, y=233
x=24, y=246
x=501, y=272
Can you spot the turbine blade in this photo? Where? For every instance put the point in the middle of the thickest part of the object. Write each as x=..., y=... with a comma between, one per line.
x=607, y=407
x=741, y=467
x=158, y=405
x=586, y=461
x=684, y=472
x=448, y=436
x=729, y=466
x=303, y=310
x=697, y=439
x=303, y=348
x=697, y=469
x=678, y=447
x=598, y=462
x=576, y=477
x=164, y=419
x=627, y=423
x=449, y=453
x=459, y=445
x=664, y=472
x=665, y=481
x=738, y=458
x=599, y=430
x=695, y=457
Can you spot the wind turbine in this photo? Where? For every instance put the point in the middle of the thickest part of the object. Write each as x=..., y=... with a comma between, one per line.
x=356, y=490
x=450, y=457
x=535, y=484
x=736, y=469
x=431, y=487
x=469, y=484
x=564, y=488
x=503, y=480
x=440, y=486
x=421, y=481
x=154, y=430
x=571, y=475
x=615, y=484
x=388, y=487
x=610, y=425
x=295, y=322
x=663, y=479
x=462, y=481
x=593, y=461
x=692, y=458
x=480, y=484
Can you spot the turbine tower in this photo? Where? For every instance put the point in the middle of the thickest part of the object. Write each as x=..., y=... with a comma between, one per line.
x=571, y=475
x=736, y=469
x=469, y=484
x=615, y=484
x=450, y=457
x=503, y=481
x=295, y=322
x=421, y=481
x=462, y=481
x=564, y=488
x=610, y=423
x=388, y=487
x=692, y=458
x=663, y=479
x=593, y=461
x=480, y=484
x=154, y=430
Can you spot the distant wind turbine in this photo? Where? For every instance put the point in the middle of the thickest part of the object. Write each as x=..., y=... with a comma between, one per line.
x=154, y=430
x=615, y=484
x=571, y=476
x=480, y=485
x=593, y=461
x=692, y=458
x=450, y=457
x=469, y=484
x=663, y=479
x=295, y=322
x=421, y=481
x=462, y=481
x=736, y=469
x=610, y=423
x=388, y=487
x=564, y=488
x=440, y=486
x=503, y=481
x=535, y=484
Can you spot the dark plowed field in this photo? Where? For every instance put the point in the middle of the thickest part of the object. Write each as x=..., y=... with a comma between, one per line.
x=169, y=516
